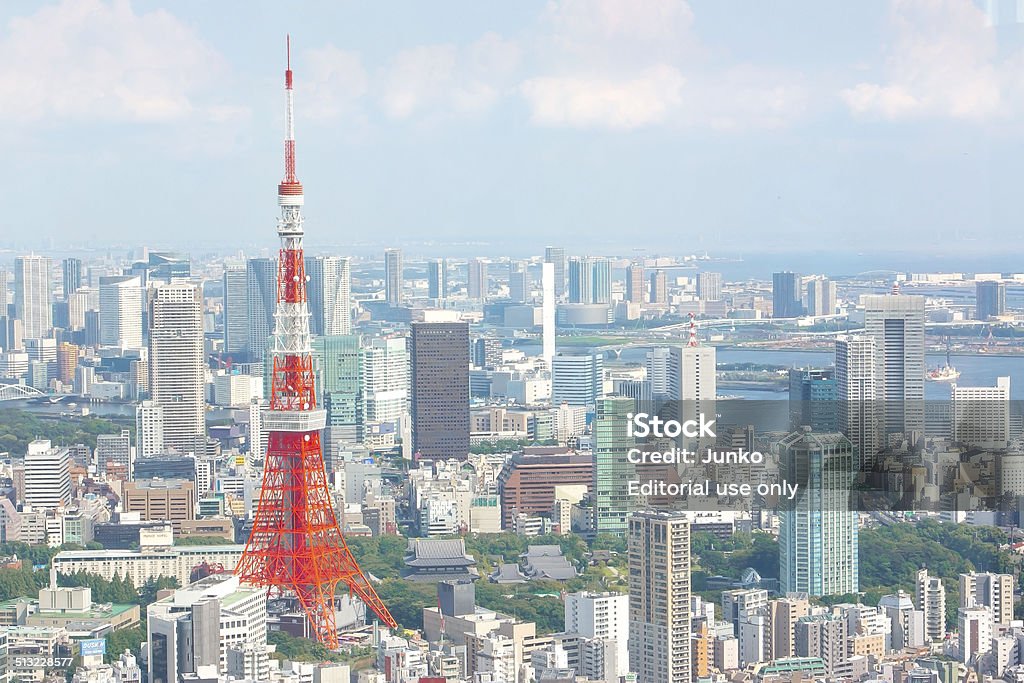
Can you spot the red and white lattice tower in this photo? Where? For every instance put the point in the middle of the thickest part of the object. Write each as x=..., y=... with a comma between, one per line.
x=296, y=544
x=692, y=341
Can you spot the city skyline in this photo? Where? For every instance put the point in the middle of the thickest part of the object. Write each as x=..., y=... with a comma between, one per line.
x=603, y=462
x=525, y=111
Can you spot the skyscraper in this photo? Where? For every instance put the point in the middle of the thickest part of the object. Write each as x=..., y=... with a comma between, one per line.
x=236, y=310
x=612, y=502
x=518, y=287
x=659, y=287
x=931, y=599
x=577, y=379
x=149, y=429
x=437, y=279
x=857, y=408
x=709, y=286
x=261, y=298
x=659, y=597
x=813, y=400
x=47, y=475
x=981, y=415
x=821, y=297
x=548, y=314
x=896, y=323
x=990, y=300
x=656, y=363
x=337, y=362
x=394, y=277
x=635, y=288
x=385, y=375
x=330, y=295
x=590, y=280
x=692, y=381
x=786, y=295
x=32, y=295
x=476, y=279
x=176, y=364
x=818, y=531
x=440, y=389
x=71, y=270
x=556, y=256
x=121, y=303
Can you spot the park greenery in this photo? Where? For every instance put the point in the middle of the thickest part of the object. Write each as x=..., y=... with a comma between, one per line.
x=890, y=557
x=308, y=650
x=202, y=540
x=18, y=428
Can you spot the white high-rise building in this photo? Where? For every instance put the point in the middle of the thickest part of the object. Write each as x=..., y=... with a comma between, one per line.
x=330, y=295
x=47, y=475
x=548, y=313
x=236, y=309
x=214, y=622
x=975, y=627
x=907, y=623
x=659, y=596
x=176, y=364
x=121, y=298
x=258, y=436
x=931, y=599
x=692, y=374
x=821, y=297
x=78, y=304
x=32, y=295
x=385, y=379
x=693, y=384
x=896, y=323
x=604, y=616
x=149, y=429
x=981, y=415
x=858, y=407
x=994, y=591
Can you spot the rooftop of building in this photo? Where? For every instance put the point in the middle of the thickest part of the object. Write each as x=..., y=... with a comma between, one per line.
x=173, y=550
x=429, y=552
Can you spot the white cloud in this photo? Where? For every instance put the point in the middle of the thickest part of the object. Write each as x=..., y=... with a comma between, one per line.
x=599, y=102
x=445, y=80
x=744, y=97
x=333, y=82
x=416, y=77
x=98, y=61
x=619, y=31
x=943, y=62
x=653, y=71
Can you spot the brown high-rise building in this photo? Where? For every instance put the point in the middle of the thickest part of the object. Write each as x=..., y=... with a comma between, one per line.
x=782, y=617
x=170, y=500
x=67, y=361
x=659, y=287
x=440, y=389
x=527, y=484
x=635, y=284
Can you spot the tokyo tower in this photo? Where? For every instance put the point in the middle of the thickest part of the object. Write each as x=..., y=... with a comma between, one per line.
x=296, y=545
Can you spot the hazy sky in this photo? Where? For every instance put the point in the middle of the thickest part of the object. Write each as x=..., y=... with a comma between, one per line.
x=716, y=124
